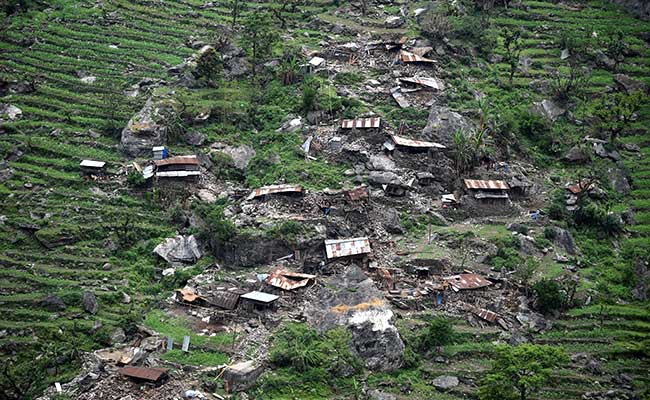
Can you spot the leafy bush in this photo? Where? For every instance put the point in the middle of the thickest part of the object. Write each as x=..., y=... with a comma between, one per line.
x=439, y=332
x=548, y=295
x=135, y=179
x=435, y=26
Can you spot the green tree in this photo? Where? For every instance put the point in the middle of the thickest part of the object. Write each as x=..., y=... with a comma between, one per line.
x=209, y=66
x=463, y=152
x=235, y=7
x=525, y=271
x=439, y=332
x=616, y=112
x=513, y=47
x=616, y=46
x=548, y=294
x=519, y=371
x=259, y=37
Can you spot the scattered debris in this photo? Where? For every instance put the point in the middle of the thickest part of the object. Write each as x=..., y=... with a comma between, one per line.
x=336, y=248
x=288, y=280
x=413, y=58
x=274, y=189
x=145, y=374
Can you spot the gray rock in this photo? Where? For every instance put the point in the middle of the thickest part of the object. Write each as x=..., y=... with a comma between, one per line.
x=147, y=128
x=381, y=162
x=52, y=302
x=548, y=109
x=618, y=180
x=291, y=125
x=628, y=84
x=383, y=178
x=520, y=228
x=445, y=382
x=443, y=123
x=184, y=249
x=352, y=300
x=392, y=222
x=9, y=112
x=90, y=302
x=315, y=117
x=240, y=155
x=577, y=154
x=599, y=150
x=394, y=22
x=377, y=394
x=118, y=336
x=195, y=138
x=562, y=238
x=603, y=60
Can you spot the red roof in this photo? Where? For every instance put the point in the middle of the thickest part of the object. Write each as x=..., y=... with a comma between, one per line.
x=486, y=185
x=180, y=160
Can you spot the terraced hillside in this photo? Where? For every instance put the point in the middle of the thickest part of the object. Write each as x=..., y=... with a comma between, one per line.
x=67, y=240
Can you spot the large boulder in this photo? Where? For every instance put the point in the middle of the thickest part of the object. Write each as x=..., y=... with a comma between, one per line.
x=577, y=154
x=150, y=126
x=240, y=155
x=562, y=238
x=381, y=162
x=350, y=299
x=445, y=382
x=52, y=302
x=443, y=123
x=179, y=249
x=392, y=222
x=628, y=84
x=548, y=109
x=90, y=302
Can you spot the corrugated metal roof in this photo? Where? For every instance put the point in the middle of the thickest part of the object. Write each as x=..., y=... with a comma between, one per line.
x=580, y=186
x=177, y=174
x=92, y=164
x=358, y=193
x=467, y=281
x=428, y=82
x=273, y=189
x=361, y=123
x=487, y=315
x=347, y=247
x=288, y=280
x=225, y=299
x=260, y=296
x=448, y=198
x=179, y=160
x=486, y=185
x=410, y=57
x=148, y=374
x=402, y=141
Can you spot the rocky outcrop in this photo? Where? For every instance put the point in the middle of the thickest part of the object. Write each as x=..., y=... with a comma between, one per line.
x=640, y=8
x=53, y=302
x=443, y=124
x=90, y=303
x=150, y=126
x=351, y=299
x=562, y=238
x=240, y=155
x=180, y=249
x=548, y=109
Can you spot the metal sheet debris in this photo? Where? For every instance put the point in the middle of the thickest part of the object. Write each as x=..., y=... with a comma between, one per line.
x=336, y=248
x=428, y=82
x=579, y=187
x=147, y=172
x=408, y=57
x=361, y=123
x=178, y=160
x=402, y=141
x=92, y=164
x=316, y=61
x=485, y=184
x=421, y=51
x=225, y=299
x=186, y=344
x=467, y=281
x=260, y=297
x=399, y=97
x=147, y=374
x=487, y=315
x=288, y=280
x=177, y=174
x=449, y=198
x=274, y=189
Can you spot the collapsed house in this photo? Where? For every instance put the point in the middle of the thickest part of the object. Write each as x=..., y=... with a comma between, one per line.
x=357, y=194
x=361, y=123
x=288, y=280
x=467, y=282
x=274, y=189
x=178, y=167
x=487, y=189
x=354, y=247
x=258, y=301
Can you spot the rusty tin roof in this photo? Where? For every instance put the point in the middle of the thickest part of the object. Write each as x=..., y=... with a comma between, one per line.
x=428, y=82
x=179, y=160
x=361, y=123
x=336, y=248
x=467, y=281
x=487, y=315
x=288, y=280
x=188, y=295
x=402, y=141
x=273, y=189
x=408, y=57
x=486, y=185
x=148, y=374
